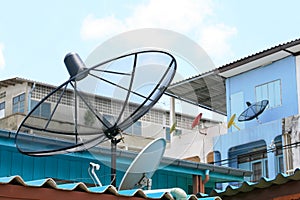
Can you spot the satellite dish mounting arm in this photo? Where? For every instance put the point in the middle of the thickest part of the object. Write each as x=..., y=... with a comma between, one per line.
x=145, y=181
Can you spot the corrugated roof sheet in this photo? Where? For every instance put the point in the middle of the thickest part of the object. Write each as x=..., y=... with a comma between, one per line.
x=241, y=61
x=254, y=56
x=207, y=89
x=262, y=183
x=109, y=189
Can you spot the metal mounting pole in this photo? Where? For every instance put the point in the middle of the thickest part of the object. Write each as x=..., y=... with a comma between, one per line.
x=113, y=161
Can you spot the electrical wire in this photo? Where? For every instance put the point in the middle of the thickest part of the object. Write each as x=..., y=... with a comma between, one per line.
x=261, y=152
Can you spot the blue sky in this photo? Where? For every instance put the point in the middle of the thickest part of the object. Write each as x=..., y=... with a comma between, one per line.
x=36, y=35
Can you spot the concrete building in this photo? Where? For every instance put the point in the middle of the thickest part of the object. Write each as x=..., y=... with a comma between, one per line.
x=267, y=145
x=18, y=96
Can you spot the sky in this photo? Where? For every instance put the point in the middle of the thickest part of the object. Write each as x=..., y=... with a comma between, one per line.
x=36, y=35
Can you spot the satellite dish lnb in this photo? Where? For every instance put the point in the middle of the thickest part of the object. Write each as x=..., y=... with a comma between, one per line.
x=74, y=65
x=143, y=166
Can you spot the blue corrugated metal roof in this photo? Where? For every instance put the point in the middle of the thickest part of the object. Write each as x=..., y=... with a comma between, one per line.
x=109, y=189
x=262, y=183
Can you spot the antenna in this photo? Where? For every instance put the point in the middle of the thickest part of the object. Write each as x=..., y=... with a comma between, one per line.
x=142, y=168
x=73, y=119
x=253, y=110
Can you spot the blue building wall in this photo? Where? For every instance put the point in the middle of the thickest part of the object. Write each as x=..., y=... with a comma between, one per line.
x=241, y=88
x=265, y=132
x=245, y=83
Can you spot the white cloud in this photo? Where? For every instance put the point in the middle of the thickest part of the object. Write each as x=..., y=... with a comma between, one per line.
x=182, y=16
x=215, y=38
x=193, y=18
x=2, y=61
x=93, y=28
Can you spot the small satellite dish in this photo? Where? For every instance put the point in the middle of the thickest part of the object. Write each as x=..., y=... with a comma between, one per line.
x=253, y=110
x=232, y=123
x=196, y=120
x=143, y=166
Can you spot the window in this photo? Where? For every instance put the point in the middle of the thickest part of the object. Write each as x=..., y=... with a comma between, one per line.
x=2, y=109
x=19, y=103
x=257, y=170
x=280, y=165
x=250, y=156
x=269, y=91
x=43, y=110
x=255, y=161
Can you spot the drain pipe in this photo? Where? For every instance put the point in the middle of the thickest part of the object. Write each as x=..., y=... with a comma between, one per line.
x=206, y=176
x=206, y=179
x=199, y=183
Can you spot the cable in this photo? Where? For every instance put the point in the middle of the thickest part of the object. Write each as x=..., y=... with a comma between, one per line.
x=288, y=146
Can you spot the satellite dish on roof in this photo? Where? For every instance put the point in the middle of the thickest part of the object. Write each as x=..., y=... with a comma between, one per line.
x=253, y=110
x=61, y=132
x=196, y=121
x=76, y=115
x=143, y=166
x=232, y=123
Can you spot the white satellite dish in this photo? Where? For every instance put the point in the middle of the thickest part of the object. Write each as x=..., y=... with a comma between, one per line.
x=143, y=166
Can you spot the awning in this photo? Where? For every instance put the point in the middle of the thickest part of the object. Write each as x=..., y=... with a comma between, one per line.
x=205, y=90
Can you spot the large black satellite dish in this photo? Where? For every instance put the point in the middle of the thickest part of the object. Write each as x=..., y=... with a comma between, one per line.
x=253, y=110
x=76, y=120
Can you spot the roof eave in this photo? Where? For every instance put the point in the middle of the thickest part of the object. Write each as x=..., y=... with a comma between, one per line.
x=260, y=59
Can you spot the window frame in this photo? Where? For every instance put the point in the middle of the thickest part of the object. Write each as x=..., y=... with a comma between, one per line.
x=18, y=103
x=267, y=84
x=2, y=109
x=2, y=103
x=256, y=177
x=40, y=111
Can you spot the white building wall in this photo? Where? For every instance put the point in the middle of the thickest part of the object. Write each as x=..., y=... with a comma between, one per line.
x=196, y=142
